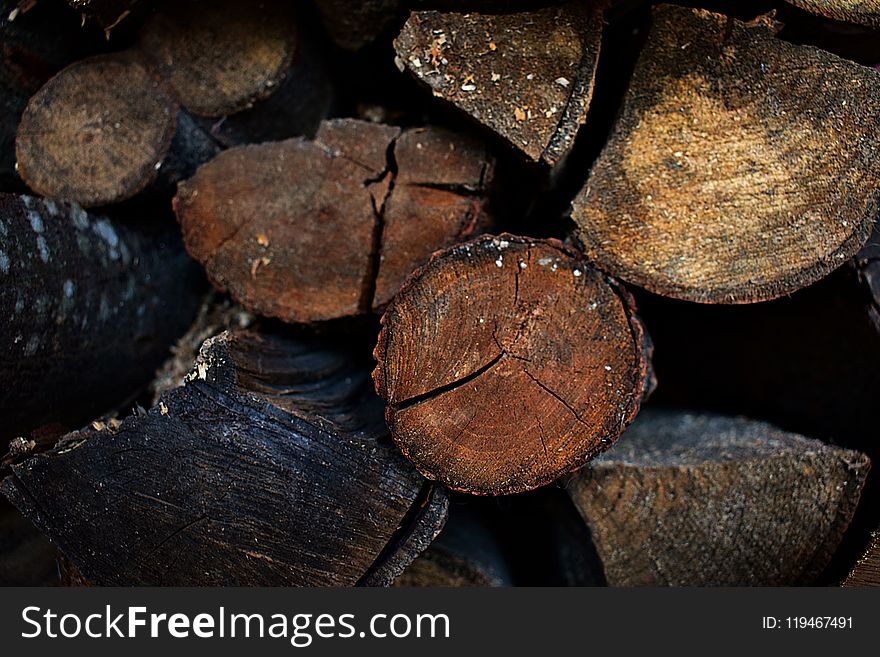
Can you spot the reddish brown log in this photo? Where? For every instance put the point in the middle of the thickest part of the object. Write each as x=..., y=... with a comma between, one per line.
x=527, y=76
x=315, y=230
x=507, y=362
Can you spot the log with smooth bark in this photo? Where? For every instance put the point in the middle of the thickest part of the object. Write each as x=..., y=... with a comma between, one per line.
x=314, y=230
x=507, y=362
x=87, y=314
x=527, y=76
x=704, y=500
x=250, y=66
x=741, y=167
x=867, y=571
x=865, y=12
x=226, y=479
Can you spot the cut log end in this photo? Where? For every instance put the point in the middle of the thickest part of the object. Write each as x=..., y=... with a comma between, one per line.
x=97, y=132
x=507, y=362
x=700, y=500
x=867, y=571
x=728, y=179
x=222, y=59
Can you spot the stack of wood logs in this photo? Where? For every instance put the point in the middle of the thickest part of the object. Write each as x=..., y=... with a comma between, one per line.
x=719, y=245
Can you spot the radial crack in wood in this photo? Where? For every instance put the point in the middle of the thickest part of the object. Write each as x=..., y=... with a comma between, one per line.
x=315, y=230
x=507, y=362
x=741, y=167
x=702, y=500
x=224, y=481
x=528, y=76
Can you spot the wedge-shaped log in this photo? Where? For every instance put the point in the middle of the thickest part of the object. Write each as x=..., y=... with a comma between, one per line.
x=865, y=12
x=227, y=478
x=528, y=76
x=87, y=317
x=507, y=362
x=315, y=230
x=741, y=167
x=703, y=500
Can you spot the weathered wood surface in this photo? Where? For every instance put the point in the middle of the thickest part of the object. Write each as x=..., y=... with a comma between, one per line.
x=87, y=314
x=507, y=362
x=247, y=66
x=98, y=132
x=527, y=76
x=35, y=43
x=314, y=230
x=865, y=12
x=867, y=571
x=227, y=478
x=741, y=167
x=702, y=500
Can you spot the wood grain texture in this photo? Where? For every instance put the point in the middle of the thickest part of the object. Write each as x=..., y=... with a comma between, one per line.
x=741, y=167
x=702, y=500
x=87, y=314
x=507, y=362
x=867, y=571
x=527, y=76
x=97, y=132
x=865, y=12
x=315, y=230
x=226, y=479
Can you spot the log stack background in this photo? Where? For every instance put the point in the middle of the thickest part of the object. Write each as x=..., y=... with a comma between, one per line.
x=439, y=292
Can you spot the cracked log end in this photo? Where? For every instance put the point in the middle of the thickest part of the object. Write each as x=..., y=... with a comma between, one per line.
x=223, y=59
x=865, y=12
x=702, y=500
x=316, y=230
x=97, y=132
x=225, y=479
x=527, y=76
x=507, y=362
x=741, y=167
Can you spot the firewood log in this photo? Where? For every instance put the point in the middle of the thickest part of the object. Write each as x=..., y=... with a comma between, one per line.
x=314, y=230
x=866, y=12
x=527, y=76
x=703, y=500
x=87, y=314
x=741, y=167
x=226, y=479
x=507, y=362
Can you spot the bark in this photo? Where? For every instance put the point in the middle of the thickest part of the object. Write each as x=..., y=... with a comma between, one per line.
x=703, y=500
x=865, y=12
x=507, y=362
x=741, y=167
x=527, y=76
x=87, y=313
x=316, y=230
x=225, y=480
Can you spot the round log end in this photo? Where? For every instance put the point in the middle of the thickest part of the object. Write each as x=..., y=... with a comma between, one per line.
x=97, y=132
x=507, y=362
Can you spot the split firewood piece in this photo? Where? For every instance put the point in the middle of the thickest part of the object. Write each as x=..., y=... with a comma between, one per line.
x=865, y=12
x=727, y=178
x=867, y=571
x=102, y=130
x=87, y=317
x=265, y=219
x=466, y=553
x=703, y=500
x=225, y=480
x=507, y=362
x=246, y=64
x=36, y=41
x=527, y=76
